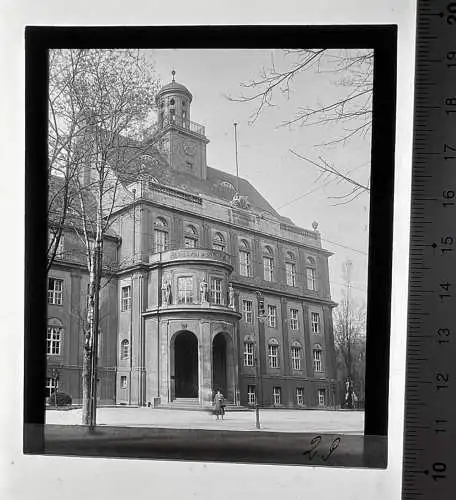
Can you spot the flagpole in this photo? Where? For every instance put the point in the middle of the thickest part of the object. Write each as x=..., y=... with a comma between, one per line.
x=236, y=152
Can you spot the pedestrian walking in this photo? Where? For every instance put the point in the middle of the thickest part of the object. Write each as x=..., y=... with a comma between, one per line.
x=219, y=404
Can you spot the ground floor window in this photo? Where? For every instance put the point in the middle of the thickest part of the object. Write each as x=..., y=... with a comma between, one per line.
x=251, y=394
x=322, y=397
x=276, y=393
x=123, y=382
x=299, y=396
x=51, y=386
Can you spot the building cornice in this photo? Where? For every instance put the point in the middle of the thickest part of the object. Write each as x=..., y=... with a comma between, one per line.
x=142, y=201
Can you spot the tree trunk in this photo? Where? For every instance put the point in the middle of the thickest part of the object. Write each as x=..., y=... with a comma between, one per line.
x=87, y=376
x=97, y=259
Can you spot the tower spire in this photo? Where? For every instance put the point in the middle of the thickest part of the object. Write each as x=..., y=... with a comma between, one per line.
x=173, y=72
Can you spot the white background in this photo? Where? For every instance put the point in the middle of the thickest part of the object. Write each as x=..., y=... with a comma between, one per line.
x=25, y=477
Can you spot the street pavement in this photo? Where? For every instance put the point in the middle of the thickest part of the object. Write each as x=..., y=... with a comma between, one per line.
x=272, y=420
x=306, y=437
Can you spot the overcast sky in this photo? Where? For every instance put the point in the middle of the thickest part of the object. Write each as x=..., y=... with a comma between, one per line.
x=292, y=186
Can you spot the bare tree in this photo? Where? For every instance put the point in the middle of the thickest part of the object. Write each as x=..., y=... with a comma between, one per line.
x=350, y=340
x=351, y=72
x=100, y=105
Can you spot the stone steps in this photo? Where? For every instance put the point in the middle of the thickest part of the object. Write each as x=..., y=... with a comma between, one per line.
x=194, y=404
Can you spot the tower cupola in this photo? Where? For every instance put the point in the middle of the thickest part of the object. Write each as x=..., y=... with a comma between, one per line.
x=181, y=141
x=173, y=104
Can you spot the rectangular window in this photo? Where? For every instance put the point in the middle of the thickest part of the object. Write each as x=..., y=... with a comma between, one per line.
x=251, y=393
x=55, y=291
x=311, y=279
x=51, y=386
x=123, y=382
x=185, y=290
x=247, y=311
x=54, y=340
x=296, y=357
x=322, y=397
x=160, y=240
x=299, y=396
x=317, y=360
x=272, y=316
x=294, y=319
x=315, y=320
x=276, y=395
x=273, y=355
x=218, y=246
x=249, y=354
x=216, y=290
x=291, y=273
x=268, y=264
x=189, y=242
x=244, y=263
x=126, y=298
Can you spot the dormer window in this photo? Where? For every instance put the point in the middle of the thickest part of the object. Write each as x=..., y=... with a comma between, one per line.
x=172, y=102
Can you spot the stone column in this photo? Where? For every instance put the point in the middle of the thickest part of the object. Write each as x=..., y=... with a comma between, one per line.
x=151, y=359
x=164, y=355
x=205, y=364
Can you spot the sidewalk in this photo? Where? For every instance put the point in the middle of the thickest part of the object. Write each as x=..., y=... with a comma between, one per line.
x=313, y=421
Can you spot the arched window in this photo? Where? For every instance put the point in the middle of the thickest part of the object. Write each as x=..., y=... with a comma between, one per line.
x=218, y=243
x=249, y=351
x=54, y=337
x=317, y=358
x=296, y=355
x=268, y=263
x=273, y=353
x=161, y=235
x=190, y=237
x=290, y=267
x=245, y=267
x=125, y=349
x=311, y=273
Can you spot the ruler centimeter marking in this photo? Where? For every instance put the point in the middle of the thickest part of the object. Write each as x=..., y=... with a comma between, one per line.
x=429, y=461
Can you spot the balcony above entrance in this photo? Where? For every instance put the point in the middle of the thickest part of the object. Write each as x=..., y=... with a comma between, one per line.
x=192, y=255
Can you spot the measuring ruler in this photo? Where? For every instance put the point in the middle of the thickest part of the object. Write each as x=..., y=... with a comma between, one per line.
x=429, y=465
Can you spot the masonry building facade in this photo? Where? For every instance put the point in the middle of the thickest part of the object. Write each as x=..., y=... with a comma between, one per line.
x=212, y=288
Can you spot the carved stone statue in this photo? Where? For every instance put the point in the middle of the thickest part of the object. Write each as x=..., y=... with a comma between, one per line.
x=239, y=201
x=166, y=293
x=231, y=296
x=203, y=291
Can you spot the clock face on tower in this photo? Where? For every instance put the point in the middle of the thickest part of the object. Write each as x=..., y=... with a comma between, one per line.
x=189, y=148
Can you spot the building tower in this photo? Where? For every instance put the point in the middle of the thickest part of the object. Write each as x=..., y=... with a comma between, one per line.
x=181, y=141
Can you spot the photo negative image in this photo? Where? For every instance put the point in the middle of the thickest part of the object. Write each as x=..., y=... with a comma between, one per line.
x=218, y=253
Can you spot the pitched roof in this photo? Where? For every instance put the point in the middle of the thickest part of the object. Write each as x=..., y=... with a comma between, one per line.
x=218, y=184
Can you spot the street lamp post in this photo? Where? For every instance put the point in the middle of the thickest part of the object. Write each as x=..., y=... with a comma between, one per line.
x=55, y=375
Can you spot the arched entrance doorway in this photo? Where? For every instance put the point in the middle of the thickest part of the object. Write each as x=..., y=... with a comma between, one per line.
x=219, y=364
x=185, y=365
